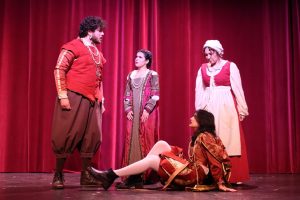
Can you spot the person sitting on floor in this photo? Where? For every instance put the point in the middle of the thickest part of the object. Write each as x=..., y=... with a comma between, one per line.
x=208, y=161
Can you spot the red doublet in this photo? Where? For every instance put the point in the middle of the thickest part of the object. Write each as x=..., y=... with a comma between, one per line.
x=77, y=71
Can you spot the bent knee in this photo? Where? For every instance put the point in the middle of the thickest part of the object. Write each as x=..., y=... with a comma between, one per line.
x=162, y=142
x=163, y=145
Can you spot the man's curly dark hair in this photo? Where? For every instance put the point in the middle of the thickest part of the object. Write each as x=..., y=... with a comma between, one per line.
x=90, y=23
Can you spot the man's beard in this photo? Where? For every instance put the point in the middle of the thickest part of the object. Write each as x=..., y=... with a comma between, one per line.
x=95, y=41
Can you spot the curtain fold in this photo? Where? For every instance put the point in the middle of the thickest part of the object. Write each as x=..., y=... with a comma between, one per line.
x=261, y=37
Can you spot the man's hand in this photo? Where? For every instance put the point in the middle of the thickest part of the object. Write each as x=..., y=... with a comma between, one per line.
x=65, y=104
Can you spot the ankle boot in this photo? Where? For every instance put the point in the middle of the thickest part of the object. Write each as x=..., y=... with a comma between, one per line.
x=135, y=181
x=86, y=179
x=106, y=177
x=58, y=180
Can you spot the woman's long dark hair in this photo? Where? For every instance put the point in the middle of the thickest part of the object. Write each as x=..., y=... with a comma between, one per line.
x=148, y=56
x=206, y=121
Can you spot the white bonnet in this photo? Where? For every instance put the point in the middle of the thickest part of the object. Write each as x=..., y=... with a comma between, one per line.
x=214, y=44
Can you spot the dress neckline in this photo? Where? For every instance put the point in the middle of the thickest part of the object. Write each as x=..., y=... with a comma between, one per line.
x=213, y=71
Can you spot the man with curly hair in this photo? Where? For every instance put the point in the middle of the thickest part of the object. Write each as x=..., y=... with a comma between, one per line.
x=79, y=104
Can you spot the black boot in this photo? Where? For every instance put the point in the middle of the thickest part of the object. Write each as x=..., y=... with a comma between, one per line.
x=135, y=181
x=86, y=179
x=106, y=177
x=58, y=180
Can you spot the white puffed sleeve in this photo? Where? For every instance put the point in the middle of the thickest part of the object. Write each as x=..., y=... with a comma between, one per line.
x=236, y=85
x=199, y=90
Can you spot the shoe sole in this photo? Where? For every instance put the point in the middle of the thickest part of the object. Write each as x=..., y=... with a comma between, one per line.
x=130, y=188
x=58, y=187
x=90, y=185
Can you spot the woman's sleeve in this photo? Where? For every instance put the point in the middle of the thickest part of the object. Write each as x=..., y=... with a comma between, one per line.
x=236, y=85
x=64, y=62
x=215, y=153
x=199, y=90
x=128, y=96
x=154, y=96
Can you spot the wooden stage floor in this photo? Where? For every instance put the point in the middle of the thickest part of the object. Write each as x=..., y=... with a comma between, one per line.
x=37, y=186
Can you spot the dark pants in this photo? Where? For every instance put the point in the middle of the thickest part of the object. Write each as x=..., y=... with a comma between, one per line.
x=78, y=128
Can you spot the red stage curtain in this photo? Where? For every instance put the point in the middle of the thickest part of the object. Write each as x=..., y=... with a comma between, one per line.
x=261, y=36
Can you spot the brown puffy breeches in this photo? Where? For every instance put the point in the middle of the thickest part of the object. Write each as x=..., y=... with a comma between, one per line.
x=78, y=128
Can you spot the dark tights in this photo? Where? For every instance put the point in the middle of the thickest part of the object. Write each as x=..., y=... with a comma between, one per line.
x=60, y=162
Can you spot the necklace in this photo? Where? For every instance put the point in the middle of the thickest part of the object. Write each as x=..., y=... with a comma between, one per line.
x=137, y=84
x=93, y=55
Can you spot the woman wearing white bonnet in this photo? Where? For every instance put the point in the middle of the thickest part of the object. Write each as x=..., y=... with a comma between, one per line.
x=219, y=90
x=216, y=45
